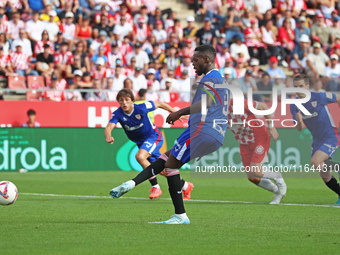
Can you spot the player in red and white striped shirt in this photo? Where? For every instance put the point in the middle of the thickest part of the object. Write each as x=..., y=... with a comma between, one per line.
x=123, y=12
x=141, y=30
x=63, y=58
x=54, y=93
x=69, y=29
x=21, y=62
x=100, y=72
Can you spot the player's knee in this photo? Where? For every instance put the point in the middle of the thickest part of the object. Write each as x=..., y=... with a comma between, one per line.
x=139, y=157
x=315, y=163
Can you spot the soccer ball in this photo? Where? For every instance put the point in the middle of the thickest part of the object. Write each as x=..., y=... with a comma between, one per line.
x=8, y=193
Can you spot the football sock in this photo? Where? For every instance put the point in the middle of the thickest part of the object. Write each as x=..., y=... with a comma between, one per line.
x=182, y=215
x=175, y=190
x=152, y=170
x=268, y=185
x=153, y=181
x=272, y=175
x=334, y=185
x=184, y=185
x=131, y=182
x=332, y=166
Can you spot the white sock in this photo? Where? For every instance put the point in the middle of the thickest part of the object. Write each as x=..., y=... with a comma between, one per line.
x=272, y=175
x=268, y=185
x=156, y=186
x=185, y=186
x=132, y=183
x=182, y=215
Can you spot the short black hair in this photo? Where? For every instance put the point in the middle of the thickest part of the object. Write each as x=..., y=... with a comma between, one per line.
x=142, y=92
x=30, y=112
x=207, y=49
x=125, y=92
x=301, y=76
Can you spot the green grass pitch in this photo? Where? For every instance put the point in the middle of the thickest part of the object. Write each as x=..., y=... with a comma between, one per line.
x=100, y=225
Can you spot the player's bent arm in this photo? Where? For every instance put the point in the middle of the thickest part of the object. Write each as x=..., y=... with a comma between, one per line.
x=164, y=106
x=107, y=132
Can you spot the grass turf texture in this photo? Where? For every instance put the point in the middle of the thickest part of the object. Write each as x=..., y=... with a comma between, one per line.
x=69, y=225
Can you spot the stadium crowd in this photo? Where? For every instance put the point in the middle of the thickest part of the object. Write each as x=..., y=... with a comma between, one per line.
x=114, y=44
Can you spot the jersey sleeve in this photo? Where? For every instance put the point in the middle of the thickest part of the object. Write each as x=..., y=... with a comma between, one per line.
x=114, y=117
x=148, y=106
x=326, y=97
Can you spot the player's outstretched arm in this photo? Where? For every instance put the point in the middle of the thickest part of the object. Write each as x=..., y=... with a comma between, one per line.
x=195, y=108
x=164, y=106
x=271, y=129
x=107, y=132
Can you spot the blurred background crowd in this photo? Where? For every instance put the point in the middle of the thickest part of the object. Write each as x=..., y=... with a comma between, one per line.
x=90, y=49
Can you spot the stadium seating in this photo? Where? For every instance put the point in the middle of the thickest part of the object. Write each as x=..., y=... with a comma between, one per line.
x=16, y=82
x=34, y=82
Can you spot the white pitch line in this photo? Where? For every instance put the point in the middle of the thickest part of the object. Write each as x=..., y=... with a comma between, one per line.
x=191, y=200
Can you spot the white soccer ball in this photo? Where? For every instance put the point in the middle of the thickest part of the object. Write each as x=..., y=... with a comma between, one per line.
x=8, y=193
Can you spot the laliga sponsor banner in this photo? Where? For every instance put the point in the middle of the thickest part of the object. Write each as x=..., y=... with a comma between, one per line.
x=85, y=149
x=97, y=114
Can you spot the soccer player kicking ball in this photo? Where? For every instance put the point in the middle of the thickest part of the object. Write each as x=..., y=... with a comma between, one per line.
x=199, y=139
x=139, y=129
x=325, y=134
x=254, y=146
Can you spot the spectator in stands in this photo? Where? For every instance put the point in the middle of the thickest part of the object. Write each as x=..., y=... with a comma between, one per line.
x=142, y=59
x=177, y=30
x=287, y=15
x=151, y=77
x=51, y=27
x=138, y=79
x=228, y=74
x=84, y=59
x=254, y=65
x=332, y=74
x=118, y=78
x=246, y=82
x=36, y=5
x=77, y=65
x=317, y=86
x=151, y=94
x=189, y=32
x=84, y=32
x=45, y=14
x=122, y=29
x=86, y=6
x=141, y=31
x=142, y=13
x=31, y=114
x=300, y=53
x=64, y=58
x=100, y=72
x=228, y=65
x=273, y=70
x=5, y=63
x=233, y=25
x=207, y=34
x=321, y=30
x=21, y=62
x=53, y=93
x=160, y=33
x=34, y=28
x=168, y=94
x=170, y=74
x=239, y=49
x=335, y=30
x=58, y=42
x=185, y=65
x=128, y=84
x=123, y=12
x=84, y=83
x=101, y=54
x=253, y=40
x=264, y=5
x=171, y=59
x=102, y=41
x=265, y=85
x=155, y=17
x=97, y=95
x=73, y=95
x=69, y=7
x=39, y=46
x=111, y=95
x=45, y=62
x=301, y=29
x=27, y=47
x=212, y=9
x=317, y=61
x=286, y=36
x=103, y=11
x=114, y=55
x=15, y=25
x=103, y=26
x=4, y=43
x=184, y=85
x=69, y=29
x=278, y=84
x=4, y=26
x=147, y=46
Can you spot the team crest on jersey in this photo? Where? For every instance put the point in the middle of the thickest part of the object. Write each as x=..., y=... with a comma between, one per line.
x=314, y=103
x=259, y=149
x=124, y=119
x=138, y=116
